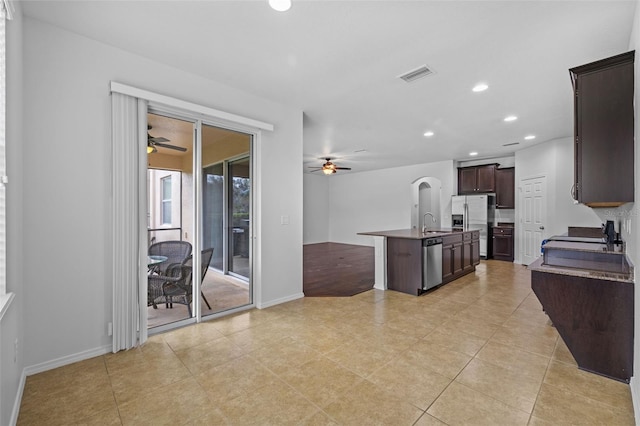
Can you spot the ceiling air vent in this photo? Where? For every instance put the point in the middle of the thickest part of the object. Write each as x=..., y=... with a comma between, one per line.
x=413, y=75
x=512, y=143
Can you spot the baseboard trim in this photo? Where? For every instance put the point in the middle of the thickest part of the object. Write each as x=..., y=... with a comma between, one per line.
x=633, y=385
x=18, y=400
x=66, y=360
x=279, y=301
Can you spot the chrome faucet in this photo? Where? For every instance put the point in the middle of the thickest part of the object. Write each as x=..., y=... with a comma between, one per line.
x=424, y=221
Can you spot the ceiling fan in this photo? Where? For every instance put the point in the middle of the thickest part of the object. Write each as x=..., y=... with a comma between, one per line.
x=328, y=167
x=152, y=143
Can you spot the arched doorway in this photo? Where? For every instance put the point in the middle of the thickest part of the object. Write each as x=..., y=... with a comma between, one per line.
x=425, y=192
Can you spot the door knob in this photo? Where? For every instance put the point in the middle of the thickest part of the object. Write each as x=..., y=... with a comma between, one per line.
x=542, y=227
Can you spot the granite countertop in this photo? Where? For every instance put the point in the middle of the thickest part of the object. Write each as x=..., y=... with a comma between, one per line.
x=416, y=234
x=538, y=265
x=595, y=247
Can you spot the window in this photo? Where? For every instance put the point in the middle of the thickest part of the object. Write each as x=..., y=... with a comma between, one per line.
x=166, y=200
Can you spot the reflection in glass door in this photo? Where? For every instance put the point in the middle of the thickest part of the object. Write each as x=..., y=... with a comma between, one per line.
x=213, y=213
x=239, y=197
x=226, y=218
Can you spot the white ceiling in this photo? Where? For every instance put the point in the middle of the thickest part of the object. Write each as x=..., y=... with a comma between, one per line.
x=339, y=61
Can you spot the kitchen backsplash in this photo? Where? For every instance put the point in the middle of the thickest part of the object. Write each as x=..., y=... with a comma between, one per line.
x=505, y=215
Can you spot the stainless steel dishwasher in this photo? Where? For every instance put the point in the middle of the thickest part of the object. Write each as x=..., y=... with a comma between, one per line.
x=431, y=262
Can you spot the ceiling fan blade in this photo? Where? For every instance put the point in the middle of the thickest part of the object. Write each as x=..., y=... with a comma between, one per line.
x=343, y=168
x=164, y=145
x=158, y=139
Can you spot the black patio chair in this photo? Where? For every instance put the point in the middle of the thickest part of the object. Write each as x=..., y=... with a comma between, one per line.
x=175, y=252
x=182, y=291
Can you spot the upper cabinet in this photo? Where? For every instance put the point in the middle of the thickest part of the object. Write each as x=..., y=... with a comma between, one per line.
x=477, y=179
x=603, y=130
x=505, y=188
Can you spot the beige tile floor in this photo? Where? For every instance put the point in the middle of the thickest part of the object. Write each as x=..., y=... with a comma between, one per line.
x=478, y=351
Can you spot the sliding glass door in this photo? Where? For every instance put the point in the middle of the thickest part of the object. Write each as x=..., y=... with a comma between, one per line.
x=199, y=195
x=226, y=217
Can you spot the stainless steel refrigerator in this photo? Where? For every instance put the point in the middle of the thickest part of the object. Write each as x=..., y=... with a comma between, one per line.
x=475, y=212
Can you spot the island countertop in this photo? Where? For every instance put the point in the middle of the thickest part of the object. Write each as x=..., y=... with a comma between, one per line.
x=416, y=234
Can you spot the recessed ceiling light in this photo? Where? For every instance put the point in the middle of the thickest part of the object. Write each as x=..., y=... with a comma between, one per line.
x=529, y=137
x=473, y=154
x=429, y=133
x=510, y=118
x=480, y=87
x=280, y=5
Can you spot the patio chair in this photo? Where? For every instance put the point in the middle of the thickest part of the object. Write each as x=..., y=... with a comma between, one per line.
x=175, y=252
x=182, y=291
x=175, y=275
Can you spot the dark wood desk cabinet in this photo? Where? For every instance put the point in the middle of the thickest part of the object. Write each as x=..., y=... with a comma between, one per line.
x=594, y=317
x=503, y=243
x=603, y=131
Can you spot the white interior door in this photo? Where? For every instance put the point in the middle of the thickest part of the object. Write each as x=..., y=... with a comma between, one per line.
x=533, y=216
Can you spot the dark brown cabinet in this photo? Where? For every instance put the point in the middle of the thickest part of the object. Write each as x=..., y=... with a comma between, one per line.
x=475, y=250
x=505, y=188
x=477, y=179
x=594, y=317
x=603, y=130
x=460, y=254
x=467, y=252
x=503, y=243
x=404, y=265
x=447, y=261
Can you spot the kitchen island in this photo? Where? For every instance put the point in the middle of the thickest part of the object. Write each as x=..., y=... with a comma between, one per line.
x=400, y=260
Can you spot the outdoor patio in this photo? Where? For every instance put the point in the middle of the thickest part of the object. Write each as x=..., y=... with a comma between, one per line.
x=222, y=291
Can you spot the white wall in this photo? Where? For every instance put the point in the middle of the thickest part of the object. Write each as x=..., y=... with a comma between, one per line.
x=553, y=159
x=12, y=324
x=317, y=205
x=381, y=200
x=66, y=190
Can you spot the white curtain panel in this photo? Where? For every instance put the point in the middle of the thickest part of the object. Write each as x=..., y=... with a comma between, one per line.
x=129, y=135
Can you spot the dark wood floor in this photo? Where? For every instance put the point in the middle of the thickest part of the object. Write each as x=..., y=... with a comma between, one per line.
x=333, y=269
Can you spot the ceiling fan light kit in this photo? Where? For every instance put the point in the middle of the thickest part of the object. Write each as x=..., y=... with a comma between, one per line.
x=153, y=142
x=329, y=168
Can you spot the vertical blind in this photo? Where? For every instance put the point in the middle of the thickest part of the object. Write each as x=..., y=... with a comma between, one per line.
x=3, y=165
x=128, y=220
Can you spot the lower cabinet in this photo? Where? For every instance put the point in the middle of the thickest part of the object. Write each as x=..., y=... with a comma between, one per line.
x=503, y=243
x=404, y=265
x=460, y=254
x=475, y=248
x=594, y=317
